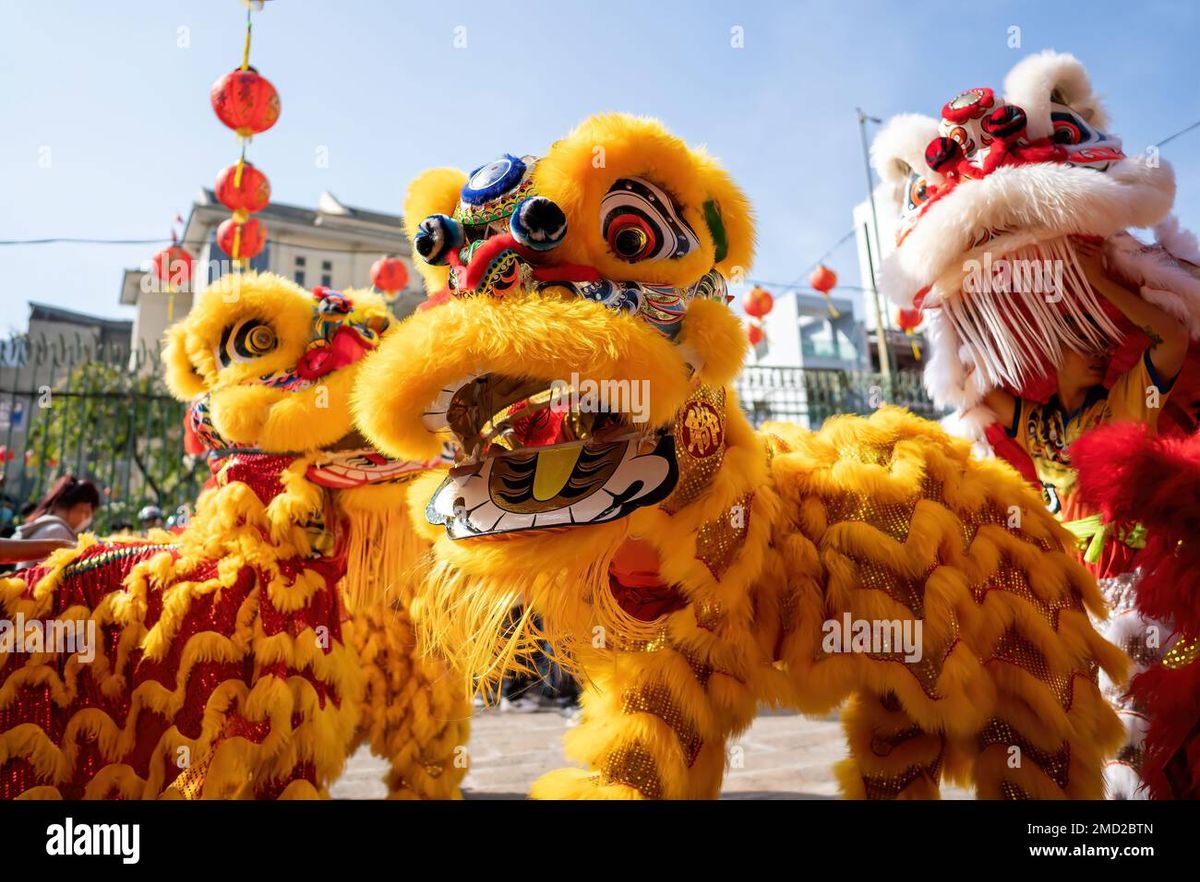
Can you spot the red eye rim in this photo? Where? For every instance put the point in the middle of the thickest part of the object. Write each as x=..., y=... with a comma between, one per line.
x=623, y=222
x=1074, y=132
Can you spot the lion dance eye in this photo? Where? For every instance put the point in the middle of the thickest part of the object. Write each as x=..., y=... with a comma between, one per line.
x=246, y=341
x=631, y=237
x=1069, y=129
x=436, y=237
x=640, y=221
x=918, y=192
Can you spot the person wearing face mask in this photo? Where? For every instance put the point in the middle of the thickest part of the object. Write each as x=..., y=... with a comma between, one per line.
x=66, y=510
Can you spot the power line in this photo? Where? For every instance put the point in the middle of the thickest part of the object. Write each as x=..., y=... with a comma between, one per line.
x=73, y=241
x=1177, y=134
x=164, y=241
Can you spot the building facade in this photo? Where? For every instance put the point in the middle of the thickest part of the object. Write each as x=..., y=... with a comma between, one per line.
x=332, y=245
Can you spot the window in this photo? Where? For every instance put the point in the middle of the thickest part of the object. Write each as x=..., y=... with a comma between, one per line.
x=299, y=260
x=327, y=273
x=298, y=273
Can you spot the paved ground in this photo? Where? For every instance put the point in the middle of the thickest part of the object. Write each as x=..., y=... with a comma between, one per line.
x=785, y=756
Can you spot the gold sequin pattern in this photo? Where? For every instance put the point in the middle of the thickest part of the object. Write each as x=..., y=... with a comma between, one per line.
x=701, y=670
x=927, y=671
x=892, y=519
x=718, y=540
x=1183, y=653
x=190, y=782
x=1136, y=647
x=1015, y=649
x=655, y=699
x=891, y=786
x=657, y=643
x=709, y=614
x=632, y=765
x=873, y=575
x=1056, y=765
x=1012, y=579
x=695, y=472
x=1013, y=792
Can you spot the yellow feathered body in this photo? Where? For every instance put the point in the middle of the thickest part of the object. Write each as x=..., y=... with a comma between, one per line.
x=247, y=655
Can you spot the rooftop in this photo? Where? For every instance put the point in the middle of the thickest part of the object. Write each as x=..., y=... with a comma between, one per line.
x=44, y=312
x=328, y=208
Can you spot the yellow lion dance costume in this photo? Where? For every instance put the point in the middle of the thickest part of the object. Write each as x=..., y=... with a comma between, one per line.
x=246, y=656
x=686, y=566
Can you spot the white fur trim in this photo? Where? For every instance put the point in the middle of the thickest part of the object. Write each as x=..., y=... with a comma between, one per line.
x=1035, y=79
x=951, y=380
x=1046, y=201
x=1163, y=280
x=900, y=147
x=1179, y=242
x=971, y=425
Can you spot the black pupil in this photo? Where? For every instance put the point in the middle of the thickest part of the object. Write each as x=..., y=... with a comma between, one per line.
x=629, y=241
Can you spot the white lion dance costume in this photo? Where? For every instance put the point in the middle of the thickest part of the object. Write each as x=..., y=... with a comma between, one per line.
x=994, y=201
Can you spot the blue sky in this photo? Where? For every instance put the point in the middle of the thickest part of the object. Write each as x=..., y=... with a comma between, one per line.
x=123, y=106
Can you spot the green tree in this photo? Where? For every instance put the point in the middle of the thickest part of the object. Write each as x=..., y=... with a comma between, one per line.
x=122, y=430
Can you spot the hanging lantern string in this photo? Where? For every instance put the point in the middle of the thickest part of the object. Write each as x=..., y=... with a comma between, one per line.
x=246, y=51
x=238, y=261
x=237, y=175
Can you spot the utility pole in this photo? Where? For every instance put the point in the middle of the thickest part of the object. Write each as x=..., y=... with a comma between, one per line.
x=885, y=361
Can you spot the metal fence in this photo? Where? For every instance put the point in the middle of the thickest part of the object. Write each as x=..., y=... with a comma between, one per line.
x=97, y=411
x=102, y=412
x=809, y=396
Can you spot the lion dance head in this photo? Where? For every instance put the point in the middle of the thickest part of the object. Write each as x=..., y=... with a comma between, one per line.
x=989, y=203
x=577, y=367
x=268, y=368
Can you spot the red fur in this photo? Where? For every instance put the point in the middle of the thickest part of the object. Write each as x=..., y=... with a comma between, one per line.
x=1013, y=453
x=1133, y=476
x=1171, y=765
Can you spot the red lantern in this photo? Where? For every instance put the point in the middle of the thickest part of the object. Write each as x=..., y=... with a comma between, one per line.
x=758, y=302
x=389, y=274
x=173, y=265
x=242, y=240
x=823, y=279
x=252, y=194
x=245, y=101
x=756, y=335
